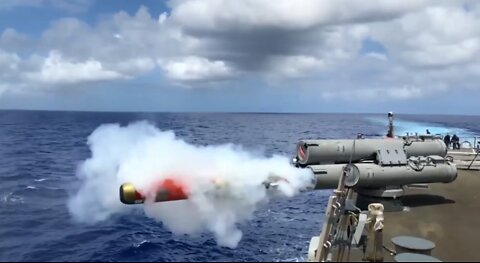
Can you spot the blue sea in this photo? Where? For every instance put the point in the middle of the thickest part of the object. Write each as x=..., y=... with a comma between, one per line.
x=40, y=151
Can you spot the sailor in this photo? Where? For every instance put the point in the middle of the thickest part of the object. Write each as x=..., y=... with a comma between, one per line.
x=428, y=132
x=455, y=142
x=446, y=139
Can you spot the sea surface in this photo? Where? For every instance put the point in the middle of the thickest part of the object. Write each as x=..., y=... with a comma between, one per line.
x=40, y=151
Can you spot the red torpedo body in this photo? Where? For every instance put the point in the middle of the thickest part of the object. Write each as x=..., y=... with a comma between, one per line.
x=166, y=190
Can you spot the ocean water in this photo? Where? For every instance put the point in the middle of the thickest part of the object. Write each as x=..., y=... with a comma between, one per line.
x=40, y=151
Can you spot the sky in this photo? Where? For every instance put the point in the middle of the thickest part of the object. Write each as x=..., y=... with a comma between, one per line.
x=406, y=56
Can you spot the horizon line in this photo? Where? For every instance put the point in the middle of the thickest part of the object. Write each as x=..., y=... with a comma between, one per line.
x=229, y=112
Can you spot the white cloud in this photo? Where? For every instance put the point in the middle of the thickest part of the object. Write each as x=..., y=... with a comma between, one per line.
x=114, y=39
x=13, y=41
x=134, y=66
x=162, y=18
x=196, y=69
x=221, y=15
x=10, y=68
x=294, y=66
x=376, y=55
x=431, y=46
x=8, y=61
x=434, y=37
x=58, y=70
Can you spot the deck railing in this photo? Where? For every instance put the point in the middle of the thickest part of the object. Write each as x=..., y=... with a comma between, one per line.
x=466, y=142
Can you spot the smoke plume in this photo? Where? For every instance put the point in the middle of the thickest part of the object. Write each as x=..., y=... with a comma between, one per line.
x=224, y=181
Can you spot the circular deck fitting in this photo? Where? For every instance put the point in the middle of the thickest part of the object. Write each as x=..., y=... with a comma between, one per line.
x=414, y=257
x=413, y=244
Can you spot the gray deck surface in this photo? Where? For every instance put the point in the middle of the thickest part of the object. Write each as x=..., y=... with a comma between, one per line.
x=446, y=214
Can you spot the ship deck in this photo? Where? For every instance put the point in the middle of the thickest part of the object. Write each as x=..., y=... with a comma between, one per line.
x=466, y=158
x=446, y=214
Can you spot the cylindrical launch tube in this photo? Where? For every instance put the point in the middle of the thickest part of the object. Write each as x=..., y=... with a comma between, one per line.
x=370, y=175
x=311, y=152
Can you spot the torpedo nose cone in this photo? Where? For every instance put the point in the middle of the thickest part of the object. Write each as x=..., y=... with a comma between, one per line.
x=128, y=194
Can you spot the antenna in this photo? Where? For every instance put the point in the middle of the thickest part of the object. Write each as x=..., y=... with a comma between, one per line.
x=390, y=125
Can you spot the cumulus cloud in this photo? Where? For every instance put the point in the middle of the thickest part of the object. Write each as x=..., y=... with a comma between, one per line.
x=58, y=70
x=226, y=15
x=429, y=46
x=134, y=66
x=8, y=61
x=11, y=40
x=294, y=66
x=433, y=37
x=196, y=69
x=9, y=64
x=72, y=52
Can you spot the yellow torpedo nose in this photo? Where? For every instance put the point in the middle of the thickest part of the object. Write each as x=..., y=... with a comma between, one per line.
x=129, y=195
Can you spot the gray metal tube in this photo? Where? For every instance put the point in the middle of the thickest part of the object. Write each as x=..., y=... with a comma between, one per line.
x=327, y=175
x=426, y=148
x=341, y=151
x=371, y=175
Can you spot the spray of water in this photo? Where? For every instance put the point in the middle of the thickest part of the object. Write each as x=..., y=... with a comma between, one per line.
x=224, y=181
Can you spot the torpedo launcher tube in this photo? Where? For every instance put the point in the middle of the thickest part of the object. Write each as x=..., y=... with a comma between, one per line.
x=312, y=152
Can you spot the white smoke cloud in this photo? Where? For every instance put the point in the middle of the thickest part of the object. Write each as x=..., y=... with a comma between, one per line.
x=223, y=182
